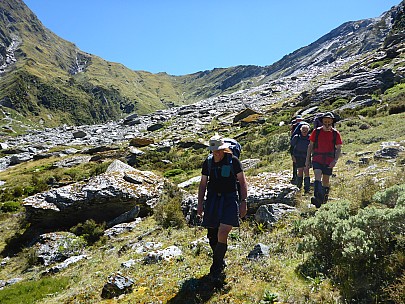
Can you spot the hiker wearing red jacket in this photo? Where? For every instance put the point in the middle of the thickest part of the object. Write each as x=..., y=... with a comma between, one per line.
x=324, y=148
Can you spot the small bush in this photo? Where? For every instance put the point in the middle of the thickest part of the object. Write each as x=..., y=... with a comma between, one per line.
x=269, y=297
x=396, y=108
x=168, y=211
x=89, y=230
x=393, y=196
x=39, y=184
x=269, y=129
x=339, y=103
x=267, y=146
x=368, y=111
x=396, y=291
x=10, y=206
x=99, y=168
x=173, y=172
x=365, y=190
x=355, y=250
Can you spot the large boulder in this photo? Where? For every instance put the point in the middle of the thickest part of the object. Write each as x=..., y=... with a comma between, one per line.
x=270, y=188
x=244, y=114
x=102, y=198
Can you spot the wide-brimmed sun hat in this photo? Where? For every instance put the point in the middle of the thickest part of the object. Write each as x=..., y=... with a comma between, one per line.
x=217, y=143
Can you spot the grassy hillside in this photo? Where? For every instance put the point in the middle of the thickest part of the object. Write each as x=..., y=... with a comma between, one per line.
x=52, y=82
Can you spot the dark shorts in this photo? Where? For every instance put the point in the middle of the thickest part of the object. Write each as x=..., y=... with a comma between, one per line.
x=300, y=162
x=221, y=208
x=324, y=168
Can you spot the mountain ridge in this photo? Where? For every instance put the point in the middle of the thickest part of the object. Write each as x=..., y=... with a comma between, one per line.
x=52, y=82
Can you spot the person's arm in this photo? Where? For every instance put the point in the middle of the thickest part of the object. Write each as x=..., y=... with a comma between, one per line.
x=337, y=155
x=309, y=154
x=201, y=193
x=243, y=192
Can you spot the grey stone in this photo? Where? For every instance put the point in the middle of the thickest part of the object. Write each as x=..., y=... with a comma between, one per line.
x=260, y=250
x=117, y=285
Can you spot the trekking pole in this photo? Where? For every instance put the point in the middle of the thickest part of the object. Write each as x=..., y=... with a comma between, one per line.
x=195, y=227
x=196, y=223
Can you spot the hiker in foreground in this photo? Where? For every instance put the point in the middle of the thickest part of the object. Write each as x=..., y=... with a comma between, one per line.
x=324, y=148
x=299, y=144
x=223, y=207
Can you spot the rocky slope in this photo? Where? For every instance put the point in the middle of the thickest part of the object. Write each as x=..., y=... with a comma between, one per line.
x=51, y=82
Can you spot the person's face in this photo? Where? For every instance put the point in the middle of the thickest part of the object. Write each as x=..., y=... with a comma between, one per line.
x=304, y=131
x=218, y=153
x=327, y=123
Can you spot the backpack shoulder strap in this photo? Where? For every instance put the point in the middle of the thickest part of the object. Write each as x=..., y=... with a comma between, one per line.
x=334, y=136
x=317, y=131
x=209, y=159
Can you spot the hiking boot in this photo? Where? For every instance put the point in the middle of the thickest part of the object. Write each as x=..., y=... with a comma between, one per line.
x=315, y=202
x=294, y=175
x=218, y=262
x=299, y=181
x=326, y=194
x=307, y=184
x=218, y=280
x=318, y=192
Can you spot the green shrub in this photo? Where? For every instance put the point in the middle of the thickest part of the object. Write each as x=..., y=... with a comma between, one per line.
x=393, y=196
x=339, y=103
x=396, y=291
x=18, y=191
x=269, y=129
x=396, y=107
x=99, y=168
x=360, y=252
x=368, y=243
x=89, y=230
x=173, y=172
x=39, y=183
x=168, y=211
x=267, y=146
x=368, y=111
x=269, y=297
x=318, y=230
x=10, y=206
x=380, y=63
x=364, y=191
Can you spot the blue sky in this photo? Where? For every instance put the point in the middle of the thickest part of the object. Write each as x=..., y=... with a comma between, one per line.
x=186, y=36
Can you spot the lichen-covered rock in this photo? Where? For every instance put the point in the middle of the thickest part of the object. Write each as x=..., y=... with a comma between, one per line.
x=102, y=198
x=116, y=285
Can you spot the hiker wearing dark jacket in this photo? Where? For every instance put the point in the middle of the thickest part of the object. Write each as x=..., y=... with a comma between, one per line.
x=222, y=207
x=294, y=124
x=299, y=144
x=324, y=148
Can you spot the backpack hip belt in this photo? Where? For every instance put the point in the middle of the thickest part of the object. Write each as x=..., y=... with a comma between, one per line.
x=325, y=154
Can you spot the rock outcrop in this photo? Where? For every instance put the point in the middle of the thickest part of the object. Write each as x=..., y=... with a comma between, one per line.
x=103, y=198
